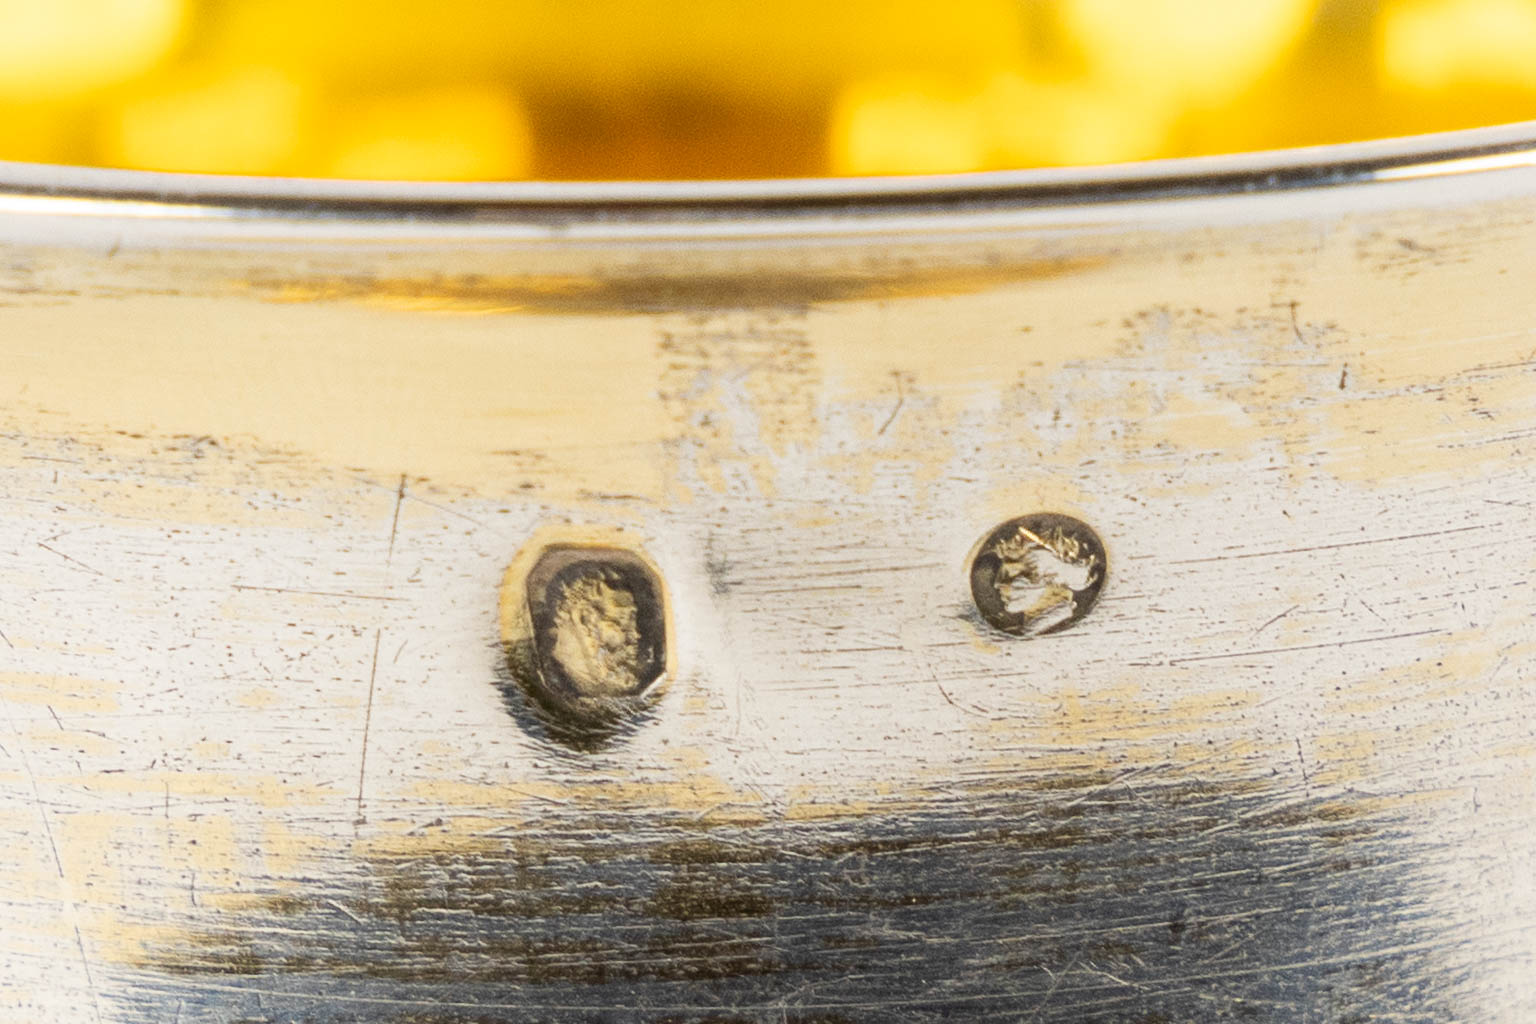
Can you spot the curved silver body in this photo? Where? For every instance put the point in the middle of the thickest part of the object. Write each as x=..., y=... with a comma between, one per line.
x=273, y=451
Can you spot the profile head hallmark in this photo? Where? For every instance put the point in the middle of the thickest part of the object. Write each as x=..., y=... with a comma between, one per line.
x=586, y=631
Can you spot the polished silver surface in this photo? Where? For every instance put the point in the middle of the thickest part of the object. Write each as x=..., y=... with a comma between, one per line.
x=284, y=463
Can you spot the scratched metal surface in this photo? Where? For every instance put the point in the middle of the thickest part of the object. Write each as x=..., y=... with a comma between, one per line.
x=263, y=759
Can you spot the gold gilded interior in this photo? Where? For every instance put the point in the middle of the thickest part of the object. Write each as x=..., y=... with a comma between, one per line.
x=624, y=89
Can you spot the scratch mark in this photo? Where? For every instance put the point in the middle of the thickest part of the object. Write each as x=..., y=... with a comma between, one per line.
x=446, y=510
x=37, y=796
x=1331, y=547
x=67, y=558
x=1301, y=759
x=1304, y=647
x=55, y=715
x=1295, y=327
x=1217, y=957
x=418, y=498
x=362, y=766
x=1367, y=606
x=316, y=593
x=860, y=569
x=85, y=962
x=951, y=701
x=530, y=795
x=1343, y=376
x=1100, y=973
x=1056, y=980
x=1274, y=620
x=608, y=496
x=343, y=910
x=7, y=640
x=1121, y=780
x=394, y=524
x=901, y=400
x=58, y=861
x=396, y=1003
x=934, y=676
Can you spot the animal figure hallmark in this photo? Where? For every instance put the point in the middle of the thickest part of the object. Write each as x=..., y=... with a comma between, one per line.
x=1037, y=574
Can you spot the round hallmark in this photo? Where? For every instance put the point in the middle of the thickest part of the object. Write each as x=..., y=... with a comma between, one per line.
x=1037, y=574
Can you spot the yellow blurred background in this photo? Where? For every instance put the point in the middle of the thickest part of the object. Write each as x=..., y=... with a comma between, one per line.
x=606, y=89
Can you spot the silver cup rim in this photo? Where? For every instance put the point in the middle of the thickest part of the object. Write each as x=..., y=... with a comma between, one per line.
x=1445, y=155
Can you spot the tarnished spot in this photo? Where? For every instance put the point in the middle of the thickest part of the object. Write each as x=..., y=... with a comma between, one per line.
x=1037, y=574
x=910, y=911
x=596, y=633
